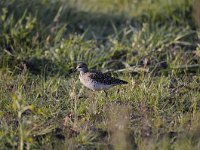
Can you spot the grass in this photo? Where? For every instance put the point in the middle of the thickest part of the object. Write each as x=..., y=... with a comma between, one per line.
x=154, y=45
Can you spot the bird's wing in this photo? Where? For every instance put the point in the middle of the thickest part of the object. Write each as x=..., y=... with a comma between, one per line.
x=105, y=79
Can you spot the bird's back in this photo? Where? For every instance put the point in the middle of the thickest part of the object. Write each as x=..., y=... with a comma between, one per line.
x=105, y=79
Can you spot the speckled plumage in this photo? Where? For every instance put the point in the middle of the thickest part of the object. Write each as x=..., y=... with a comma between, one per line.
x=97, y=80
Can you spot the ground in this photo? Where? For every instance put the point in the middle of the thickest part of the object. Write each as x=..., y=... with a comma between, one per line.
x=152, y=44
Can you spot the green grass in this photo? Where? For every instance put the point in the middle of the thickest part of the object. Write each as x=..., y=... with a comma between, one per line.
x=152, y=44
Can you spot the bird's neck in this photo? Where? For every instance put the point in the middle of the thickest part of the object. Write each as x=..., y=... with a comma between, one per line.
x=82, y=72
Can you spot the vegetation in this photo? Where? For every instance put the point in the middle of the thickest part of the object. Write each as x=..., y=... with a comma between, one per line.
x=152, y=44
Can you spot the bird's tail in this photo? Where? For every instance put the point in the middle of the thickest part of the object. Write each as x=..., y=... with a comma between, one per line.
x=123, y=82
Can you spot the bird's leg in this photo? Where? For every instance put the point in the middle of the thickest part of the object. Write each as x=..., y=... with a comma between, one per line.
x=106, y=93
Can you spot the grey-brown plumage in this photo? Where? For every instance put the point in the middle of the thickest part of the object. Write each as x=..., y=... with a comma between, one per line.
x=96, y=80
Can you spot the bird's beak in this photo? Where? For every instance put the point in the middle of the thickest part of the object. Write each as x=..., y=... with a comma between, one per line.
x=75, y=70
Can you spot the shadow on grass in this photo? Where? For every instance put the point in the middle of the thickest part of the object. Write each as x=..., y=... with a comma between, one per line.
x=51, y=15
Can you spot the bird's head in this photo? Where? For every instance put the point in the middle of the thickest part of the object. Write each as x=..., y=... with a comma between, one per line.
x=82, y=67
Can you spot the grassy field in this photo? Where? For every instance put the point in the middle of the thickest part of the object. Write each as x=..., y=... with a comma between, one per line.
x=152, y=44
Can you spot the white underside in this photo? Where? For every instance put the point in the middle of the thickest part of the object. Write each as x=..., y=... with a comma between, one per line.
x=95, y=86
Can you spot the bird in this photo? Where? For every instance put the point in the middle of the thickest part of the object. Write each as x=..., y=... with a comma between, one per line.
x=97, y=81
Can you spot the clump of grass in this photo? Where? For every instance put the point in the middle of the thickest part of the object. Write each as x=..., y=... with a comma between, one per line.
x=196, y=13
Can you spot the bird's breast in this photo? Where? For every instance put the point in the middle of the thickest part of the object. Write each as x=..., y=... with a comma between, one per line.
x=92, y=84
